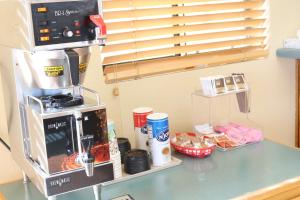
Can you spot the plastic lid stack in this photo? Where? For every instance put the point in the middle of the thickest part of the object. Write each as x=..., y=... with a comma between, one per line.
x=136, y=160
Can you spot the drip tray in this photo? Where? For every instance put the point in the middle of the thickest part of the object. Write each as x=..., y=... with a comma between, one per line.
x=174, y=162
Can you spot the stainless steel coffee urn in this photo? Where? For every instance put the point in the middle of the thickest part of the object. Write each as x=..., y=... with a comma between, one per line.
x=57, y=129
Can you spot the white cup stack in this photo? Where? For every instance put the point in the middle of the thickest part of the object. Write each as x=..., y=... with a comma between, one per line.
x=115, y=155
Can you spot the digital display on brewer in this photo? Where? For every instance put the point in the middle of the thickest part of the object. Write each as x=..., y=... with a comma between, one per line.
x=63, y=22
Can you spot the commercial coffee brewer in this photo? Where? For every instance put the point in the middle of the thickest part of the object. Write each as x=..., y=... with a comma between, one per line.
x=57, y=129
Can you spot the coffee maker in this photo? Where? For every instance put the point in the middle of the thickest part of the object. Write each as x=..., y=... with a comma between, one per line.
x=57, y=129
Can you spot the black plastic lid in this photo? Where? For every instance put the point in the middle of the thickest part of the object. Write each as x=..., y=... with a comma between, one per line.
x=124, y=147
x=136, y=160
x=122, y=140
x=137, y=154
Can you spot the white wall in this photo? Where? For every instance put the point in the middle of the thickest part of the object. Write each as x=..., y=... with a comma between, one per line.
x=272, y=81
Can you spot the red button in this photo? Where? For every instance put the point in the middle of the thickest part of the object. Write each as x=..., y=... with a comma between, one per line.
x=77, y=32
x=76, y=23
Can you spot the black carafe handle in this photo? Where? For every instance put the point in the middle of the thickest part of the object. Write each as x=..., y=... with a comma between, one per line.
x=73, y=58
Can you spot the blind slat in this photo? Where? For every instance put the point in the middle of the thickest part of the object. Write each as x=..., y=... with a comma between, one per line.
x=184, y=28
x=152, y=67
x=136, y=24
x=181, y=39
x=181, y=49
x=123, y=4
x=137, y=13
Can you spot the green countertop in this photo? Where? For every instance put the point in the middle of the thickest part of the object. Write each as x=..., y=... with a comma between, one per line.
x=224, y=175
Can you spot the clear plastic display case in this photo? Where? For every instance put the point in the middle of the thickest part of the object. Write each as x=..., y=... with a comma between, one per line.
x=224, y=109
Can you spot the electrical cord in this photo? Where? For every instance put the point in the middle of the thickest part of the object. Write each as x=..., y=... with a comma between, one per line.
x=5, y=144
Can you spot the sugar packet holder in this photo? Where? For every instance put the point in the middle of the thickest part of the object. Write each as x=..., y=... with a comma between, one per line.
x=218, y=85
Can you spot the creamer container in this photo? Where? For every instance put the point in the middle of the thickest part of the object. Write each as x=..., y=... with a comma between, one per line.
x=159, y=139
x=140, y=127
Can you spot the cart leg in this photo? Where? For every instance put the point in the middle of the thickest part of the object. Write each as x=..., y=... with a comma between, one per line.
x=96, y=192
x=52, y=198
x=25, y=178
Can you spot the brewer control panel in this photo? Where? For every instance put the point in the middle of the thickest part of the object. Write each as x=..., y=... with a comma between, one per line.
x=64, y=22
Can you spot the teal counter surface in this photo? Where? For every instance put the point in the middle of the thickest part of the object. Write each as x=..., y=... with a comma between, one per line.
x=288, y=53
x=224, y=175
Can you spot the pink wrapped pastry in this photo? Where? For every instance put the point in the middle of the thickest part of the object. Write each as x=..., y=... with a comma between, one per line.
x=239, y=133
x=254, y=135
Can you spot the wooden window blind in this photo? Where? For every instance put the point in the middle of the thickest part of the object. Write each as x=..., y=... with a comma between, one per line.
x=160, y=36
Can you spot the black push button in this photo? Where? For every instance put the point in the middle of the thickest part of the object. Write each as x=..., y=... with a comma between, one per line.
x=43, y=23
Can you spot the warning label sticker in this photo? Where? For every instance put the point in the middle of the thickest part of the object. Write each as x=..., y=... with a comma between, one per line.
x=54, y=71
x=82, y=67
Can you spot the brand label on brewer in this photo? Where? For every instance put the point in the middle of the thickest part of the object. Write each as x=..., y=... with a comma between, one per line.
x=59, y=182
x=65, y=12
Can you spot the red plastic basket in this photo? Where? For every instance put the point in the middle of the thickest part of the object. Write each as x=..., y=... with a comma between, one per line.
x=194, y=152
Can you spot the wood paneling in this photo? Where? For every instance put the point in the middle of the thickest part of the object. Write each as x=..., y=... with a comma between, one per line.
x=289, y=190
x=297, y=100
x=2, y=196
